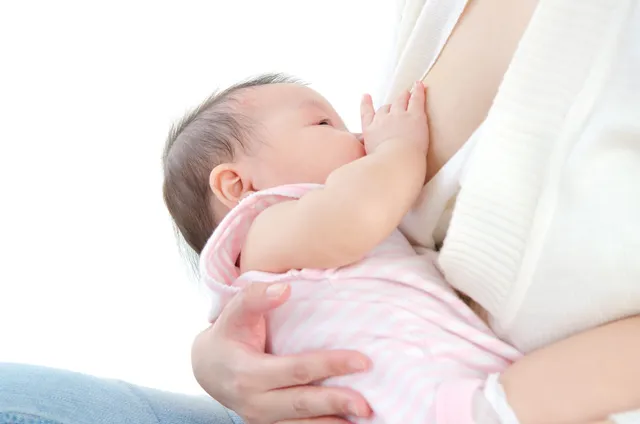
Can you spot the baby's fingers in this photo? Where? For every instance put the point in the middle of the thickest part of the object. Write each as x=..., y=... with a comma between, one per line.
x=400, y=105
x=366, y=111
x=417, y=102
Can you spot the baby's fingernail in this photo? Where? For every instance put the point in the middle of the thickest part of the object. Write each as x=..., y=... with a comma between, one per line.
x=276, y=290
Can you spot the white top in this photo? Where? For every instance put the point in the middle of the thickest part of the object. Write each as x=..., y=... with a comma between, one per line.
x=423, y=28
x=546, y=229
x=427, y=222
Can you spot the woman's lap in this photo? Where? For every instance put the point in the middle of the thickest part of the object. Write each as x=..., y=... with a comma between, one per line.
x=37, y=395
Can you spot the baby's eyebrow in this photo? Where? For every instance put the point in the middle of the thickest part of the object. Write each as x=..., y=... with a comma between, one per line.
x=312, y=103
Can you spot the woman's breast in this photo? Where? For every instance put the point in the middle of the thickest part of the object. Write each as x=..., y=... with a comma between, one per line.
x=466, y=76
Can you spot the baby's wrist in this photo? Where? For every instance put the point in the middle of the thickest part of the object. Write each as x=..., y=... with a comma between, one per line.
x=399, y=145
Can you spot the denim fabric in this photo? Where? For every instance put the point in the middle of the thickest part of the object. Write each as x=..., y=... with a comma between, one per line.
x=38, y=395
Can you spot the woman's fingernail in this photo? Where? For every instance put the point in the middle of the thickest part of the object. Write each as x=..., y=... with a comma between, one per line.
x=357, y=365
x=354, y=409
x=276, y=290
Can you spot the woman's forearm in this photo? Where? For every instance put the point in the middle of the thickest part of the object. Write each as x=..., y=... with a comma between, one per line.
x=584, y=378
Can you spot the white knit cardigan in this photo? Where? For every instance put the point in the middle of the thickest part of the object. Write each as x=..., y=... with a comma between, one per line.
x=545, y=233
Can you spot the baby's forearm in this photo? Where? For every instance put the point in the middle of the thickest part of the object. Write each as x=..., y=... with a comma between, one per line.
x=360, y=205
x=584, y=378
x=380, y=188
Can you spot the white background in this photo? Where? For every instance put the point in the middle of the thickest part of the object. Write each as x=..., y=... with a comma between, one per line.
x=90, y=275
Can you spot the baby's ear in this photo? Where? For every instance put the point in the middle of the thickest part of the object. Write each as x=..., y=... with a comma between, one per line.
x=247, y=193
x=228, y=184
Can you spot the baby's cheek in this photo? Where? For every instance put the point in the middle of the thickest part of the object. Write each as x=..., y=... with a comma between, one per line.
x=358, y=152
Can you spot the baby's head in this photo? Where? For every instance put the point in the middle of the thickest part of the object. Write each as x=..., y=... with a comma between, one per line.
x=255, y=135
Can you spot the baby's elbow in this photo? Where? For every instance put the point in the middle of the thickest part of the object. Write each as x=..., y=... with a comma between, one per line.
x=365, y=234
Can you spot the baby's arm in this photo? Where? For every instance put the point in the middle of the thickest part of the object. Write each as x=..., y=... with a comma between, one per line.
x=584, y=378
x=361, y=203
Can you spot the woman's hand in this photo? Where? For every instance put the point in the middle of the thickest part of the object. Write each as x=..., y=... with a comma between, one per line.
x=229, y=363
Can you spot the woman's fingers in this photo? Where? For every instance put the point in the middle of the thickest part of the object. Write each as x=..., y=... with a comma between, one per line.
x=306, y=368
x=321, y=420
x=366, y=111
x=248, y=307
x=417, y=102
x=286, y=396
x=401, y=103
x=298, y=403
x=264, y=386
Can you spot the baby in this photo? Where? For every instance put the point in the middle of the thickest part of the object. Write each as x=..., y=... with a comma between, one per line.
x=290, y=195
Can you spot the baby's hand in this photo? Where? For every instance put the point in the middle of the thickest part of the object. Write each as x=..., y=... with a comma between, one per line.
x=405, y=119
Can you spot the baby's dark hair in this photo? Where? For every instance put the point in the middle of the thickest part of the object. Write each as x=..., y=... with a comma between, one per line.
x=211, y=134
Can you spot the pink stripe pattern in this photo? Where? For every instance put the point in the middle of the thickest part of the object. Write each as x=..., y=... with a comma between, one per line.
x=430, y=352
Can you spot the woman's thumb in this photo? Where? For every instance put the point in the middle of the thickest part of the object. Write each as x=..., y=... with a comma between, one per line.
x=248, y=307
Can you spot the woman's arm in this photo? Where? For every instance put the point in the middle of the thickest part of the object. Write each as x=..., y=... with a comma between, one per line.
x=465, y=78
x=584, y=378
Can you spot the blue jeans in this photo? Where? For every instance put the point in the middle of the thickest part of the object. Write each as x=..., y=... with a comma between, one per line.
x=38, y=395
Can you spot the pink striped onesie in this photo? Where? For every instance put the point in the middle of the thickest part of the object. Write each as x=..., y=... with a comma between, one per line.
x=430, y=352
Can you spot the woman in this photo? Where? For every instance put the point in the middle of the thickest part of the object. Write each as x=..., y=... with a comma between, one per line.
x=554, y=159
x=229, y=359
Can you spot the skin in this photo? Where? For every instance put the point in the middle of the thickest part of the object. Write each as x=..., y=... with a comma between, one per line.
x=362, y=199
x=265, y=389
x=228, y=358
x=301, y=139
x=465, y=78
